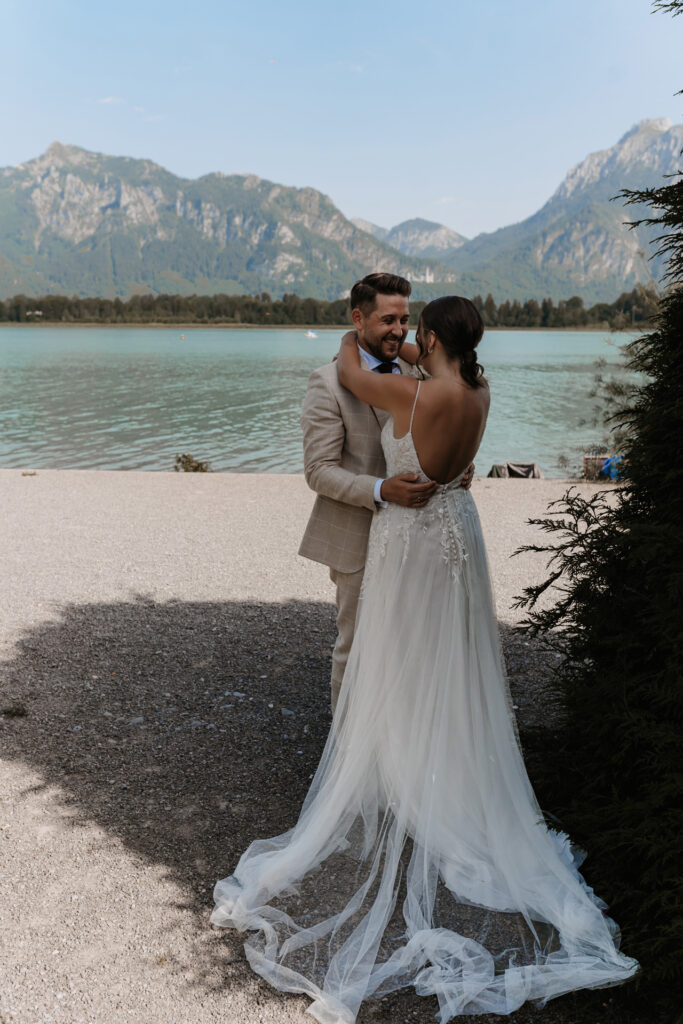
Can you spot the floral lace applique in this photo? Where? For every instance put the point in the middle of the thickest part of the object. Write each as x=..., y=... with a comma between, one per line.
x=444, y=512
x=403, y=525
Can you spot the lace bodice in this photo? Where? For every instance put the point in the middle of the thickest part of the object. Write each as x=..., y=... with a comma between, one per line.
x=442, y=515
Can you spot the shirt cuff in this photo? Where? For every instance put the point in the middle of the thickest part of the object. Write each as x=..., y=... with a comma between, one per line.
x=379, y=501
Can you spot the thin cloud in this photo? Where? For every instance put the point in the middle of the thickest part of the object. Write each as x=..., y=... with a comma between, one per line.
x=111, y=99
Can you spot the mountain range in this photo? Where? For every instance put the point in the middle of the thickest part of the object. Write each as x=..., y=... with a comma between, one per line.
x=77, y=222
x=579, y=243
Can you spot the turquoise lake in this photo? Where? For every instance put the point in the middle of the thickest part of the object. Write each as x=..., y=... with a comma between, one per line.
x=127, y=398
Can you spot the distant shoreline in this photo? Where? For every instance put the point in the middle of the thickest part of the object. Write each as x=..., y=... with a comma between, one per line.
x=157, y=326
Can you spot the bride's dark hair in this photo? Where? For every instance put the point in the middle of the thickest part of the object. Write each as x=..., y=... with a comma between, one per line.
x=459, y=327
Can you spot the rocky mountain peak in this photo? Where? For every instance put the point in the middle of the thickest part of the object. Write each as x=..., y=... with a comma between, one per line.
x=415, y=237
x=57, y=157
x=419, y=237
x=58, y=151
x=646, y=151
x=651, y=124
x=60, y=155
x=371, y=229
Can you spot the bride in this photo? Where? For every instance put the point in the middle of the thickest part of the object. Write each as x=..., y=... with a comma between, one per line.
x=421, y=856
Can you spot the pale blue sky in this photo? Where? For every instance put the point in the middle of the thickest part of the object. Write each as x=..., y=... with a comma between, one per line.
x=467, y=112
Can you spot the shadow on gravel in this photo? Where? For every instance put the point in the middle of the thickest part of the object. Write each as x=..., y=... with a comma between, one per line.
x=189, y=729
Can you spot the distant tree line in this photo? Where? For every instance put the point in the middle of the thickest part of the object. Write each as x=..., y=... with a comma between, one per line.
x=634, y=307
x=631, y=308
x=174, y=309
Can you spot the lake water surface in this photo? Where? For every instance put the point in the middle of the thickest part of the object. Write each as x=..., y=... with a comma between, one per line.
x=129, y=398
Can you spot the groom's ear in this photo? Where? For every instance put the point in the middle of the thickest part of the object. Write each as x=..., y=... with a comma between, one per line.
x=357, y=318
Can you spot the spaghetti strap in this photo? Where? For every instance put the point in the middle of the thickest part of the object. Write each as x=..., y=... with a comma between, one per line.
x=412, y=414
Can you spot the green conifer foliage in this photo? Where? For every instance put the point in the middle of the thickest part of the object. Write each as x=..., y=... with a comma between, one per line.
x=614, y=771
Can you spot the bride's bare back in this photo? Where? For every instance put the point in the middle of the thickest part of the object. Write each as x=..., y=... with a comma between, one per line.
x=448, y=424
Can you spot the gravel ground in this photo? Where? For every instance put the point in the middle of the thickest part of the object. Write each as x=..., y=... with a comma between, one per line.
x=165, y=663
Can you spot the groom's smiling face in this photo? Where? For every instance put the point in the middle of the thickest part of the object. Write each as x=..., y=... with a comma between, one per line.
x=383, y=329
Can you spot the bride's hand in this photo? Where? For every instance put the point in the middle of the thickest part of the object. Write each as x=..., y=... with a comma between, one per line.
x=410, y=353
x=350, y=338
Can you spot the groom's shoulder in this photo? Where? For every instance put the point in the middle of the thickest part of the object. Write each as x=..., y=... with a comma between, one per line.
x=323, y=389
x=325, y=375
x=407, y=369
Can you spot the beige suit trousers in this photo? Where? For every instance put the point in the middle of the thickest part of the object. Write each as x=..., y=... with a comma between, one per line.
x=348, y=591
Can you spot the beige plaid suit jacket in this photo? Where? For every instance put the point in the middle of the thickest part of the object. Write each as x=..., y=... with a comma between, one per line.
x=342, y=460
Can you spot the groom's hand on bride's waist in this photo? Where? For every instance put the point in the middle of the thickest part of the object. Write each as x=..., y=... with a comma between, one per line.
x=407, y=489
x=466, y=481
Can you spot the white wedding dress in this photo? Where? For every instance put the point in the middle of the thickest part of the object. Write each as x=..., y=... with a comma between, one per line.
x=420, y=856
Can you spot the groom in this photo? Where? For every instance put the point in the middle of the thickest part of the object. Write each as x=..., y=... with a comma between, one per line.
x=343, y=458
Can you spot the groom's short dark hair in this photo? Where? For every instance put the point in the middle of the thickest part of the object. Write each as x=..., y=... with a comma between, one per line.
x=364, y=293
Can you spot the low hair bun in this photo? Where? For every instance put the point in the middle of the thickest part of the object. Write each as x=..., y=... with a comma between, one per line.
x=459, y=327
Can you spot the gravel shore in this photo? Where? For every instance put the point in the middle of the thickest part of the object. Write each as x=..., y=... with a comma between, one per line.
x=165, y=666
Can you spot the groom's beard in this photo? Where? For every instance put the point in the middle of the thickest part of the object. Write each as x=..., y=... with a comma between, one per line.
x=387, y=348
